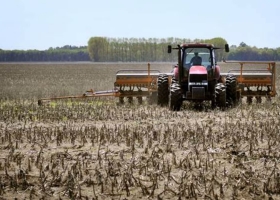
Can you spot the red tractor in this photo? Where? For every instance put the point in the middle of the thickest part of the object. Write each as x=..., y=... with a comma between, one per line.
x=196, y=78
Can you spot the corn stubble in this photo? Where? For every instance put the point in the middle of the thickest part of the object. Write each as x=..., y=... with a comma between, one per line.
x=100, y=150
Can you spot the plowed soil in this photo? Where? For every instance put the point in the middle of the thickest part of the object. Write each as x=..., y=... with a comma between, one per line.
x=98, y=149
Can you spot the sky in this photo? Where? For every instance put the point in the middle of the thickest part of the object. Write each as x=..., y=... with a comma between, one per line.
x=41, y=24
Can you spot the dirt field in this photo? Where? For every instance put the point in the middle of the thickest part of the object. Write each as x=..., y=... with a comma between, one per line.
x=97, y=149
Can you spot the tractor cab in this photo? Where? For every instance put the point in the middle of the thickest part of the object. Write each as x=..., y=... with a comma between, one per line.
x=197, y=59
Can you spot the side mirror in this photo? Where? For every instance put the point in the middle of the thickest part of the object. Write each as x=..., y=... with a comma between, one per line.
x=169, y=49
x=226, y=47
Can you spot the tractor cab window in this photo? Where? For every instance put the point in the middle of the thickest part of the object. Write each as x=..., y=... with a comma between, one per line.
x=197, y=56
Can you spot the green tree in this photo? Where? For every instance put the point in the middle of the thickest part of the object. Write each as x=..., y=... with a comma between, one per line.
x=97, y=48
x=218, y=42
x=243, y=44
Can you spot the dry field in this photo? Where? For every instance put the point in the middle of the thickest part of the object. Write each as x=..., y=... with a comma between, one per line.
x=96, y=149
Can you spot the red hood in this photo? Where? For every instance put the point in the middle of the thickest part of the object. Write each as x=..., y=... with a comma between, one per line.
x=198, y=70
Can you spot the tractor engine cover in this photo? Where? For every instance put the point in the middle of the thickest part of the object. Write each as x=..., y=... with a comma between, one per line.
x=198, y=82
x=198, y=70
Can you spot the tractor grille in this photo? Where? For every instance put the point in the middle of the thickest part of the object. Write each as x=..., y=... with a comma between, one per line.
x=198, y=84
x=198, y=92
x=198, y=78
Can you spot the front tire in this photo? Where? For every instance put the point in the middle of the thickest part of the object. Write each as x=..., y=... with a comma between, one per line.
x=163, y=90
x=231, y=89
x=175, y=101
x=220, y=95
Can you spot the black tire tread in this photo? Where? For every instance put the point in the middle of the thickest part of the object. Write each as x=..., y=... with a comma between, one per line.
x=231, y=89
x=220, y=95
x=163, y=90
x=175, y=101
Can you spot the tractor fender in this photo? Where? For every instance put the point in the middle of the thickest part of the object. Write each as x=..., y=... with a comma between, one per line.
x=176, y=72
x=217, y=72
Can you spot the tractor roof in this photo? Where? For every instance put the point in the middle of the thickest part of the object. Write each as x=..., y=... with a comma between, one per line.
x=198, y=45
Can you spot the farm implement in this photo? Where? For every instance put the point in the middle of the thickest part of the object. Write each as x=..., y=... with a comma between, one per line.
x=129, y=84
x=195, y=78
x=253, y=79
x=87, y=94
x=139, y=84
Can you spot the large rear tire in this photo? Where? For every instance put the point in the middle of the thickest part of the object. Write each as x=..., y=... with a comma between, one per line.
x=231, y=90
x=220, y=95
x=175, y=101
x=163, y=90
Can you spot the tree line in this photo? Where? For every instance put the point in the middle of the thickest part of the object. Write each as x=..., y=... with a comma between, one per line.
x=65, y=53
x=243, y=52
x=141, y=49
x=103, y=49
